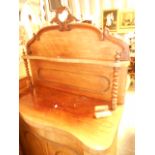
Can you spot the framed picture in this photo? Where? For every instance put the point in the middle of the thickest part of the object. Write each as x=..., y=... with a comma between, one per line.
x=110, y=19
x=127, y=19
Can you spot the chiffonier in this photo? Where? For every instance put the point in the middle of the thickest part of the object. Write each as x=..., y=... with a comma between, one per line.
x=74, y=71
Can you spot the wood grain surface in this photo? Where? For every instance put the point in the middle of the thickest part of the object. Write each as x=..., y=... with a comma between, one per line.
x=68, y=119
x=72, y=72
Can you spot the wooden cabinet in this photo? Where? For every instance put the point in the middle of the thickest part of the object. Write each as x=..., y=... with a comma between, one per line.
x=34, y=144
x=75, y=67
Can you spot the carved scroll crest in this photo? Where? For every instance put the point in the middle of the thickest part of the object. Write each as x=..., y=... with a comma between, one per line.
x=63, y=17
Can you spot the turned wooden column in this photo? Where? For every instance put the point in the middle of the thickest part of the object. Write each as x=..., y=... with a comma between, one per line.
x=115, y=81
x=27, y=70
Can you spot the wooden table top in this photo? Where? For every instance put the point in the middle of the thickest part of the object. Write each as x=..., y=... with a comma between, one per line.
x=49, y=108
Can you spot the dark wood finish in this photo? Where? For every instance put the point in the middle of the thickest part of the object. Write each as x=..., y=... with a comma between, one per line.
x=24, y=85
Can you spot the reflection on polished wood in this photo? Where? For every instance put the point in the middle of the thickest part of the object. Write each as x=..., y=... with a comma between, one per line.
x=50, y=116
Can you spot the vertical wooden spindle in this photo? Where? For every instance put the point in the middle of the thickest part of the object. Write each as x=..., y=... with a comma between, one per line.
x=115, y=82
x=27, y=70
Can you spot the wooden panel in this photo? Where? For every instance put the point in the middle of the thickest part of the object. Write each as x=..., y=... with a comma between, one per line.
x=35, y=144
x=83, y=41
x=24, y=85
x=32, y=144
x=77, y=80
x=83, y=60
x=84, y=79
x=92, y=80
x=57, y=149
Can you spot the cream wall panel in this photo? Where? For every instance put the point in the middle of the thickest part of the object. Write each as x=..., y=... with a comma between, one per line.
x=107, y=4
x=64, y=3
x=76, y=9
x=95, y=10
x=131, y=4
x=85, y=9
x=119, y=4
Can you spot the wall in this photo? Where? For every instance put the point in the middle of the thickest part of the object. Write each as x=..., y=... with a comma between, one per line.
x=27, y=26
x=93, y=9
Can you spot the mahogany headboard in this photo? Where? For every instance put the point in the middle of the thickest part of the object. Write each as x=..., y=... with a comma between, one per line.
x=79, y=58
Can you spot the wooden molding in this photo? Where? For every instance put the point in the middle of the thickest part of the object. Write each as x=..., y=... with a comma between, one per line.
x=77, y=61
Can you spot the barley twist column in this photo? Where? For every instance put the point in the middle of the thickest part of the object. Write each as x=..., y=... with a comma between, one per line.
x=116, y=69
x=27, y=69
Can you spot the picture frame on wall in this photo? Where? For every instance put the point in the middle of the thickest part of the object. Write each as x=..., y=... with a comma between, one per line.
x=127, y=19
x=110, y=19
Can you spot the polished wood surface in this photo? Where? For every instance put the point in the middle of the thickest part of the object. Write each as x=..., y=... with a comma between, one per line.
x=71, y=72
x=83, y=41
x=68, y=119
x=83, y=61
